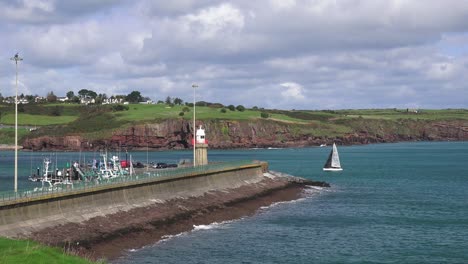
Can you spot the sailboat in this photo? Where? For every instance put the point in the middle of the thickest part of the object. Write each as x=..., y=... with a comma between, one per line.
x=333, y=161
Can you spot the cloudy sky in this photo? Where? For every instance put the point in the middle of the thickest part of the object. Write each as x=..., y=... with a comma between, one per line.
x=284, y=54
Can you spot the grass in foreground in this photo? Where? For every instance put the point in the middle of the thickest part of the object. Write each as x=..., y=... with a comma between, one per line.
x=28, y=252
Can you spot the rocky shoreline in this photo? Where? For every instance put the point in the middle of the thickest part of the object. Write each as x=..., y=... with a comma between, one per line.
x=108, y=237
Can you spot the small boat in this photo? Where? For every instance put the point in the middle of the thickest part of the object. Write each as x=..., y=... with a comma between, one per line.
x=51, y=179
x=333, y=161
x=323, y=145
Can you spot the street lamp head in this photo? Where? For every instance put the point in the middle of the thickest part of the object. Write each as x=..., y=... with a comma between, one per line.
x=16, y=58
x=194, y=85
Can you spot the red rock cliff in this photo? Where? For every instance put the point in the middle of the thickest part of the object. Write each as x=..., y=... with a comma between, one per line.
x=177, y=134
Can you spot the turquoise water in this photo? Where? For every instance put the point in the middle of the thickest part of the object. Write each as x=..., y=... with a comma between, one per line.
x=393, y=203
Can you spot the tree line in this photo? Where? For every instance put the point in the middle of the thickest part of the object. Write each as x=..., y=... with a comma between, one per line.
x=133, y=97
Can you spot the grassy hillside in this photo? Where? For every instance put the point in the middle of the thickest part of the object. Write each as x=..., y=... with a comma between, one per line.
x=27, y=252
x=97, y=121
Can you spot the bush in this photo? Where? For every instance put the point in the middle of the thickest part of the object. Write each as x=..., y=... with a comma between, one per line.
x=240, y=108
x=231, y=107
x=264, y=115
x=216, y=105
x=119, y=107
x=223, y=110
x=181, y=114
x=56, y=111
x=186, y=109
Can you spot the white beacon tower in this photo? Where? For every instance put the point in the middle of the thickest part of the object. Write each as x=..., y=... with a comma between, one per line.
x=201, y=151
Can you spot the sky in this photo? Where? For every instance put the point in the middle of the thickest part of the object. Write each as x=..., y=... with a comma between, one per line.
x=277, y=54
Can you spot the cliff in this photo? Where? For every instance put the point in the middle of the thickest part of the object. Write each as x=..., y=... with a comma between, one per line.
x=177, y=134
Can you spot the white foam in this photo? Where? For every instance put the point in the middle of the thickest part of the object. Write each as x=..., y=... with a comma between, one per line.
x=281, y=203
x=205, y=227
x=315, y=187
x=169, y=237
x=211, y=226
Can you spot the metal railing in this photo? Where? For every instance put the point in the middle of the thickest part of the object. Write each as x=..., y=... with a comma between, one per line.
x=62, y=189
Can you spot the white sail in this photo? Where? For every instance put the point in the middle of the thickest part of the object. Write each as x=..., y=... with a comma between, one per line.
x=333, y=161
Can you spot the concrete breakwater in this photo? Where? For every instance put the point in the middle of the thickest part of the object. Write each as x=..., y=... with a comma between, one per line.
x=92, y=220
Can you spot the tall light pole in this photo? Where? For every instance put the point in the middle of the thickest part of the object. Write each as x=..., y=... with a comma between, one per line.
x=16, y=58
x=194, y=128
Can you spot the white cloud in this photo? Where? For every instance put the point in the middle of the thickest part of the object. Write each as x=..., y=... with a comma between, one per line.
x=208, y=23
x=339, y=54
x=282, y=4
x=292, y=91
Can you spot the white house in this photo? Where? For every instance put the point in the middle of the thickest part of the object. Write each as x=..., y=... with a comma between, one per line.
x=87, y=100
x=11, y=100
x=113, y=101
x=39, y=99
x=23, y=101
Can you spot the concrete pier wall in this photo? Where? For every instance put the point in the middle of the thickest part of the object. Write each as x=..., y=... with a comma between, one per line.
x=20, y=218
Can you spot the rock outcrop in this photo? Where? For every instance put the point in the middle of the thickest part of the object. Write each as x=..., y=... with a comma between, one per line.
x=222, y=134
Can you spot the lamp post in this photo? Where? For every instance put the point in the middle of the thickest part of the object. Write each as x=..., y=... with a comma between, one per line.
x=16, y=58
x=194, y=128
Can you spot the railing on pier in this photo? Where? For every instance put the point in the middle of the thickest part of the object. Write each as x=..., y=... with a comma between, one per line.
x=25, y=195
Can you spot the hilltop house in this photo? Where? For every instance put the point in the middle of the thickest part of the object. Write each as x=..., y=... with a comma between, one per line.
x=113, y=101
x=11, y=100
x=87, y=100
x=39, y=99
x=409, y=110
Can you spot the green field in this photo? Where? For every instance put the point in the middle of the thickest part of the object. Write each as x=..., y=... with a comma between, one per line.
x=141, y=112
x=36, y=120
x=28, y=252
x=393, y=114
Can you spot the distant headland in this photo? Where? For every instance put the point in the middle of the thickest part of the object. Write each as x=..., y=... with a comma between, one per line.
x=163, y=126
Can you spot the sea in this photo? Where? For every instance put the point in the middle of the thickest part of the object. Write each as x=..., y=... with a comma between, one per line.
x=392, y=203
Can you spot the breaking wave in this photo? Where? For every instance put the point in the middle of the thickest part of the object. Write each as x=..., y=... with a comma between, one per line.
x=211, y=226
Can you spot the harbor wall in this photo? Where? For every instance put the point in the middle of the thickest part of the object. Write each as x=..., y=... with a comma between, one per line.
x=22, y=217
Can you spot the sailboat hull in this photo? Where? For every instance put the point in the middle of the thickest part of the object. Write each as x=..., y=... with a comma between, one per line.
x=332, y=169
